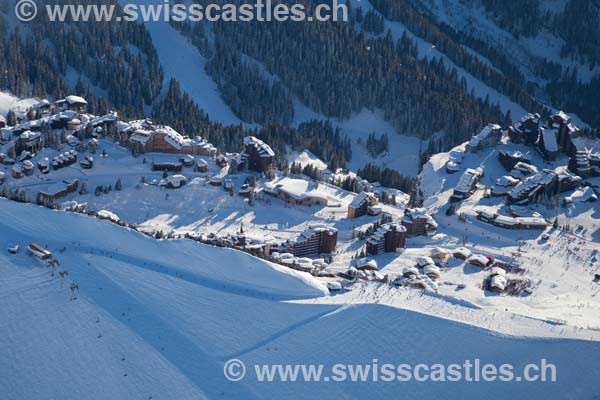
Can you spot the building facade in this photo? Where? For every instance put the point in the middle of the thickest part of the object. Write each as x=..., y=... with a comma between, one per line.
x=314, y=241
x=418, y=222
x=388, y=238
x=256, y=155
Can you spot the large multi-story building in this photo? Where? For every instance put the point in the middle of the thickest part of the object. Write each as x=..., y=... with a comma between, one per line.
x=526, y=130
x=360, y=204
x=388, y=238
x=467, y=184
x=148, y=138
x=256, y=156
x=418, y=222
x=314, y=241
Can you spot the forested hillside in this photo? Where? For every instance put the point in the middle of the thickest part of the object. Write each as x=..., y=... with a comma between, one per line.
x=116, y=60
x=566, y=78
x=336, y=69
x=319, y=137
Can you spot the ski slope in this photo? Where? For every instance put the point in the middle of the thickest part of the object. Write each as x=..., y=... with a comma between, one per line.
x=181, y=60
x=158, y=319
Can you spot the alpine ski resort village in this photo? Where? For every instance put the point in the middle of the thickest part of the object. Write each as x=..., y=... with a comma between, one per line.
x=390, y=206
x=535, y=181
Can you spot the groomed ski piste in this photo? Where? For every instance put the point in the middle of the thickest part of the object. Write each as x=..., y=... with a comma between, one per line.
x=157, y=319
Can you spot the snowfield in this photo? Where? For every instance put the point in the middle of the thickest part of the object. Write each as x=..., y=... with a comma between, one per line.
x=8, y=102
x=158, y=319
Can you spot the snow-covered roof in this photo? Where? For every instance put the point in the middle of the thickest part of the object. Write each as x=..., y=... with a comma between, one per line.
x=498, y=282
x=419, y=213
x=519, y=211
x=360, y=199
x=105, y=214
x=487, y=130
x=318, y=228
x=264, y=150
x=30, y=136
x=549, y=138
x=41, y=104
x=486, y=214
x=507, y=180
x=437, y=251
x=528, y=117
x=54, y=189
x=452, y=166
x=424, y=261
x=141, y=136
x=484, y=134
x=110, y=117
x=526, y=168
x=75, y=100
x=561, y=116
x=478, y=259
x=176, y=179
x=517, y=221
x=468, y=180
x=431, y=269
x=585, y=194
x=542, y=178
x=366, y=263
x=299, y=189
x=173, y=137
x=463, y=251
x=565, y=175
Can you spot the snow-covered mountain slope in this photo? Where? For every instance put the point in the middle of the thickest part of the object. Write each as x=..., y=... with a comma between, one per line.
x=403, y=154
x=157, y=319
x=182, y=61
x=10, y=102
x=525, y=52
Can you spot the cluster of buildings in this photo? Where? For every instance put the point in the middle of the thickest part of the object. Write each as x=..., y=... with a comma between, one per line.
x=525, y=183
x=546, y=183
x=391, y=237
x=554, y=136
